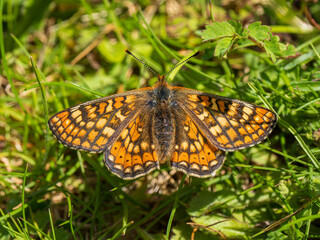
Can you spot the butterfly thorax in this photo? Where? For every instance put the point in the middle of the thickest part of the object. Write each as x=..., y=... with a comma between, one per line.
x=161, y=92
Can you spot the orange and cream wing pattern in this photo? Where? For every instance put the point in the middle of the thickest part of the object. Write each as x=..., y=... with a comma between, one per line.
x=90, y=125
x=229, y=123
x=133, y=153
x=140, y=129
x=193, y=153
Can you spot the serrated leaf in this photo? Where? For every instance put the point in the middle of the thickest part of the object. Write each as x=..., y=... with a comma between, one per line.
x=272, y=47
x=238, y=29
x=231, y=33
x=222, y=47
x=290, y=51
x=218, y=30
x=282, y=47
x=271, y=54
x=275, y=49
x=258, y=32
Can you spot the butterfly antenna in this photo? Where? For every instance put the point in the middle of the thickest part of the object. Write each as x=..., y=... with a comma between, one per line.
x=149, y=68
x=179, y=64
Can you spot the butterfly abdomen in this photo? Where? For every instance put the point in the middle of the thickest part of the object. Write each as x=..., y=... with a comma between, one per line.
x=163, y=133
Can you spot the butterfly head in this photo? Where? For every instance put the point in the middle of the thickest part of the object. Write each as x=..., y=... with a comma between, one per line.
x=161, y=78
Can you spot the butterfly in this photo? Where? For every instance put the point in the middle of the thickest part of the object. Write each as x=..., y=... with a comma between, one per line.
x=140, y=129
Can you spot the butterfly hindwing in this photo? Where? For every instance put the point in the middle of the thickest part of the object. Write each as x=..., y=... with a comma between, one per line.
x=133, y=153
x=193, y=153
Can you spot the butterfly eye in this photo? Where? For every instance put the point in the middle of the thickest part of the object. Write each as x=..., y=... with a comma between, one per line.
x=152, y=103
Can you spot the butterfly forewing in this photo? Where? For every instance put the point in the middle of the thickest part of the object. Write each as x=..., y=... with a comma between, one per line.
x=90, y=125
x=231, y=124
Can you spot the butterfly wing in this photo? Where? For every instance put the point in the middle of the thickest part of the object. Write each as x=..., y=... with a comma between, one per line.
x=89, y=126
x=194, y=154
x=133, y=154
x=228, y=123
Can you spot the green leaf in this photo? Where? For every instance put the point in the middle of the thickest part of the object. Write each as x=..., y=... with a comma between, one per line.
x=230, y=33
x=276, y=236
x=258, y=32
x=275, y=49
x=303, y=59
x=201, y=203
x=184, y=231
x=238, y=29
x=205, y=201
x=223, y=45
x=218, y=30
x=230, y=228
x=252, y=215
x=316, y=75
x=272, y=47
x=289, y=51
x=307, y=86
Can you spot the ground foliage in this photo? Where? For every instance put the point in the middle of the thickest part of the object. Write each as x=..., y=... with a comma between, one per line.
x=55, y=54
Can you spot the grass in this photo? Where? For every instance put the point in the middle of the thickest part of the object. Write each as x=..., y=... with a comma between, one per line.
x=269, y=191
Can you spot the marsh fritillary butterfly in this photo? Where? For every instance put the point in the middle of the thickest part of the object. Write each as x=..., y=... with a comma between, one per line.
x=139, y=129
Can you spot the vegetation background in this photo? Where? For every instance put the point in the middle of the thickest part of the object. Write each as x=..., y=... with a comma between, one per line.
x=47, y=191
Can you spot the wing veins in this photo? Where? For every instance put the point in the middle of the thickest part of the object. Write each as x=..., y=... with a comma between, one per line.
x=235, y=129
x=246, y=130
x=97, y=119
x=225, y=133
x=250, y=124
x=65, y=128
x=95, y=123
x=136, y=143
x=80, y=128
x=108, y=121
x=123, y=125
x=199, y=124
x=198, y=152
